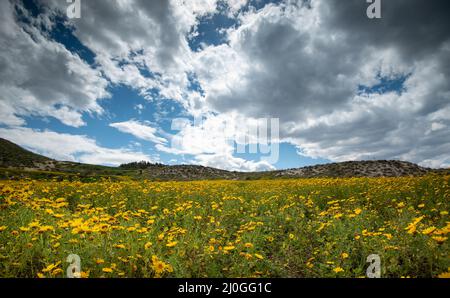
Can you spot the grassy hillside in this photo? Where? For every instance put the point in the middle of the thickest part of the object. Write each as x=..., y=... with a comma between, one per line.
x=12, y=155
x=375, y=168
x=18, y=163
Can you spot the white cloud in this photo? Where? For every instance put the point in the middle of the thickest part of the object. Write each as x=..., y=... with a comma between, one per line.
x=236, y=5
x=41, y=77
x=8, y=116
x=231, y=163
x=113, y=157
x=140, y=130
x=305, y=65
x=212, y=139
x=151, y=35
x=67, y=147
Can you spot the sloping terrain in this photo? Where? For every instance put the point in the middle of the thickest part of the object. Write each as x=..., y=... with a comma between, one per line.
x=376, y=168
x=187, y=172
x=12, y=155
x=16, y=162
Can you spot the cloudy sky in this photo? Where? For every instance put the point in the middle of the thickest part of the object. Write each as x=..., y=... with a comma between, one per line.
x=126, y=80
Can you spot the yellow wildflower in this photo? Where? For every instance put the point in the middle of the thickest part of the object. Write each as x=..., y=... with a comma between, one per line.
x=259, y=256
x=428, y=230
x=439, y=239
x=171, y=244
x=338, y=269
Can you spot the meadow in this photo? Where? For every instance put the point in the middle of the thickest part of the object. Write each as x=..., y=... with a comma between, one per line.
x=262, y=228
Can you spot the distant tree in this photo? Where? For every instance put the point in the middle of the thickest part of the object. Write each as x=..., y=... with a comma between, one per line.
x=141, y=165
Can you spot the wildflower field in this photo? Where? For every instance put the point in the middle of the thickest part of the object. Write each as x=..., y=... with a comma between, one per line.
x=264, y=228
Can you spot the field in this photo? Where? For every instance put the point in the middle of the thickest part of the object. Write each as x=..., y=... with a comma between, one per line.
x=265, y=228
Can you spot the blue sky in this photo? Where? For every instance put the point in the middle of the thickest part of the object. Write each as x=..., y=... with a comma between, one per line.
x=106, y=88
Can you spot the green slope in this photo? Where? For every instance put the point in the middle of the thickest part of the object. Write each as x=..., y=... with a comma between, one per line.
x=16, y=162
x=12, y=155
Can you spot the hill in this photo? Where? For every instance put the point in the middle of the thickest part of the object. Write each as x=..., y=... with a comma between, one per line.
x=376, y=168
x=12, y=155
x=16, y=162
x=187, y=172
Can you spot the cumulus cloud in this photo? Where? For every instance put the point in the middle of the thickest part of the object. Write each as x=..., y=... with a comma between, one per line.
x=140, y=130
x=41, y=77
x=232, y=163
x=213, y=139
x=69, y=147
x=151, y=35
x=235, y=6
x=305, y=63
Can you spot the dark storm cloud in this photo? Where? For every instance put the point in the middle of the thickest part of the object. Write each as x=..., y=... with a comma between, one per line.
x=416, y=27
x=294, y=80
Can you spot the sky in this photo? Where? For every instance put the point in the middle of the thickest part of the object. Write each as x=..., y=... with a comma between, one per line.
x=246, y=85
